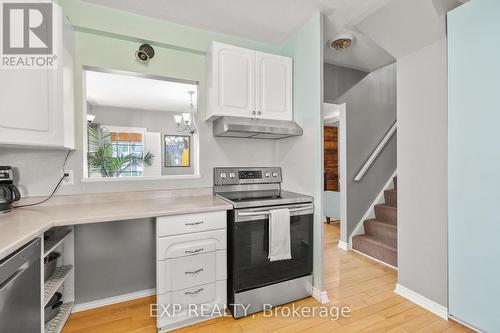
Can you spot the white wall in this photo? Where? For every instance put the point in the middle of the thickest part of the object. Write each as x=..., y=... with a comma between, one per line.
x=422, y=172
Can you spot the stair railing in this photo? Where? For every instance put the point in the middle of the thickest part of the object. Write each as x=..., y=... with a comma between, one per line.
x=376, y=152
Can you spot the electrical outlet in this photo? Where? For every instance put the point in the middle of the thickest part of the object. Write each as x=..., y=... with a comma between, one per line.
x=68, y=177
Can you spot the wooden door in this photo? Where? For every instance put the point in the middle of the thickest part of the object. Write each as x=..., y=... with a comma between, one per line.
x=331, y=158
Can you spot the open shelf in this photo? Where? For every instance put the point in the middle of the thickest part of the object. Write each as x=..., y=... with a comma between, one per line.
x=57, y=236
x=57, y=323
x=55, y=282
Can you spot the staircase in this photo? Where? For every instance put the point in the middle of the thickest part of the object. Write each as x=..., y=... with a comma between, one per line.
x=380, y=238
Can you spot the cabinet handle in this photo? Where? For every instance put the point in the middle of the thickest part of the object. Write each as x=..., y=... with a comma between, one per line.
x=193, y=292
x=194, y=251
x=194, y=272
x=253, y=113
x=194, y=223
x=259, y=113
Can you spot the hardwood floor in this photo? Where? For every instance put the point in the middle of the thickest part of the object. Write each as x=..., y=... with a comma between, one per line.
x=352, y=280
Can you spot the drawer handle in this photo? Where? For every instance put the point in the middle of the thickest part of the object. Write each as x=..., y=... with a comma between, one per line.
x=194, y=251
x=194, y=272
x=193, y=292
x=194, y=223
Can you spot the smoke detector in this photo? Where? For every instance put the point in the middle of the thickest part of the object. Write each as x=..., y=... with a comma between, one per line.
x=341, y=42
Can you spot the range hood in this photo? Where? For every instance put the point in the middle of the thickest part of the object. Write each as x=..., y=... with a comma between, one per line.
x=253, y=128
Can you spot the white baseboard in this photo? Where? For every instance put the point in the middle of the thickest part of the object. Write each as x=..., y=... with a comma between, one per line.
x=320, y=296
x=422, y=301
x=345, y=246
x=472, y=327
x=370, y=212
x=113, y=300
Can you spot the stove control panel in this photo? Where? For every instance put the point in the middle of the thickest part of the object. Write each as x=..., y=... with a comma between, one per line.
x=247, y=174
x=237, y=176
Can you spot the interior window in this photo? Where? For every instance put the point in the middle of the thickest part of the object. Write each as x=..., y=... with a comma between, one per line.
x=139, y=126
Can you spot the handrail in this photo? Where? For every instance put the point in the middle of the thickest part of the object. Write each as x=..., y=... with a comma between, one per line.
x=376, y=152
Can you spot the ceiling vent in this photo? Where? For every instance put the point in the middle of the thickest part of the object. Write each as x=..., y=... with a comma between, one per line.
x=341, y=42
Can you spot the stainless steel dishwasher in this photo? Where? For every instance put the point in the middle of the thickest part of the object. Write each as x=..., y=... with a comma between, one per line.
x=20, y=290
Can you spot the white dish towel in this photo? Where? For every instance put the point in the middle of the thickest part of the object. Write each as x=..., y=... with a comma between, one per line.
x=279, y=235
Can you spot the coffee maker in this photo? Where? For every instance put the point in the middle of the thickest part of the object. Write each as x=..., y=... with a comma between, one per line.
x=8, y=191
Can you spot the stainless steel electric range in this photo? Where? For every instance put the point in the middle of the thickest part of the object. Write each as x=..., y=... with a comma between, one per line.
x=254, y=282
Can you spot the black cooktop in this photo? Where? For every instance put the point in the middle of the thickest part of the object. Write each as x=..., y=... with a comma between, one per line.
x=264, y=198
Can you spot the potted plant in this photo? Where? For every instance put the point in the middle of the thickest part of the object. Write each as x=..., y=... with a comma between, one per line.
x=100, y=154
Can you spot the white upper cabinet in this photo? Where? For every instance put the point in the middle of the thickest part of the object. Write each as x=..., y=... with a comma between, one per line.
x=273, y=86
x=247, y=83
x=37, y=105
x=234, y=86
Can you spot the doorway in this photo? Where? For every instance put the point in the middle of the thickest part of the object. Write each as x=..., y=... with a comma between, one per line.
x=334, y=151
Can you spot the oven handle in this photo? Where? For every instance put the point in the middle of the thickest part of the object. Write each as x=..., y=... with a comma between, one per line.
x=263, y=212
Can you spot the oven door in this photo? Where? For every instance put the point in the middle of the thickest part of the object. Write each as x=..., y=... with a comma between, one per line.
x=249, y=265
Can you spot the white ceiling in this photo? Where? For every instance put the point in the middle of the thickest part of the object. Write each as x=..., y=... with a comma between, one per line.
x=408, y=16
x=133, y=92
x=271, y=21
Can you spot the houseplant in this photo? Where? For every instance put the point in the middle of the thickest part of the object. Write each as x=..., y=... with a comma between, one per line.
x=100, y=154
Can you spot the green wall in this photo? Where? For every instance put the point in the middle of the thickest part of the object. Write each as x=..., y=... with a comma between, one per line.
x=473, y=164
x=302, y=157
x=97, y=19
x=108, y=38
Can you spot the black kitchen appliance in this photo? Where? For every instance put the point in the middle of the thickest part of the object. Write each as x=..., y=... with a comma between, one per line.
x=8, y=191
x=254, y=280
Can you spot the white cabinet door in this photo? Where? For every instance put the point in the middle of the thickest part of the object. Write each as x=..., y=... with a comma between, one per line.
x=233, y=75
x=37, y=105
x=273, y=86
x=27, y=113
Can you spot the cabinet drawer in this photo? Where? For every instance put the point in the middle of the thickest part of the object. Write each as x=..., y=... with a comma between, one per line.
x=213, y=296
x=210, y=293
x=187, y=223
x=186, y=272
x=190, y=244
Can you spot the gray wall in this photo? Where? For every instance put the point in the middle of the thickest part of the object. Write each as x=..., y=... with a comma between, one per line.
x=114, y=258
x=422, y=172
x=338, y=80
x=370, y=113
x=154, y=121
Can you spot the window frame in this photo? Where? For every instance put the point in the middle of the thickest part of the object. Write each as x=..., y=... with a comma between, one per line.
x=126, y=129
x=195, y=138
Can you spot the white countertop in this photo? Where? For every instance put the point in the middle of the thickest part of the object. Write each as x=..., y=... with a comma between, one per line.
x=21, y=225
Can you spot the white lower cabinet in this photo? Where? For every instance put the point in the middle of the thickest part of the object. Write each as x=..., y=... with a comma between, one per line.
x=191, y=269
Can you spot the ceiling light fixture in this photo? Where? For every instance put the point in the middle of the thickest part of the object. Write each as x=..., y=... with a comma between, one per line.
x=341, y=42
x=185, y=122
x=90, y=118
